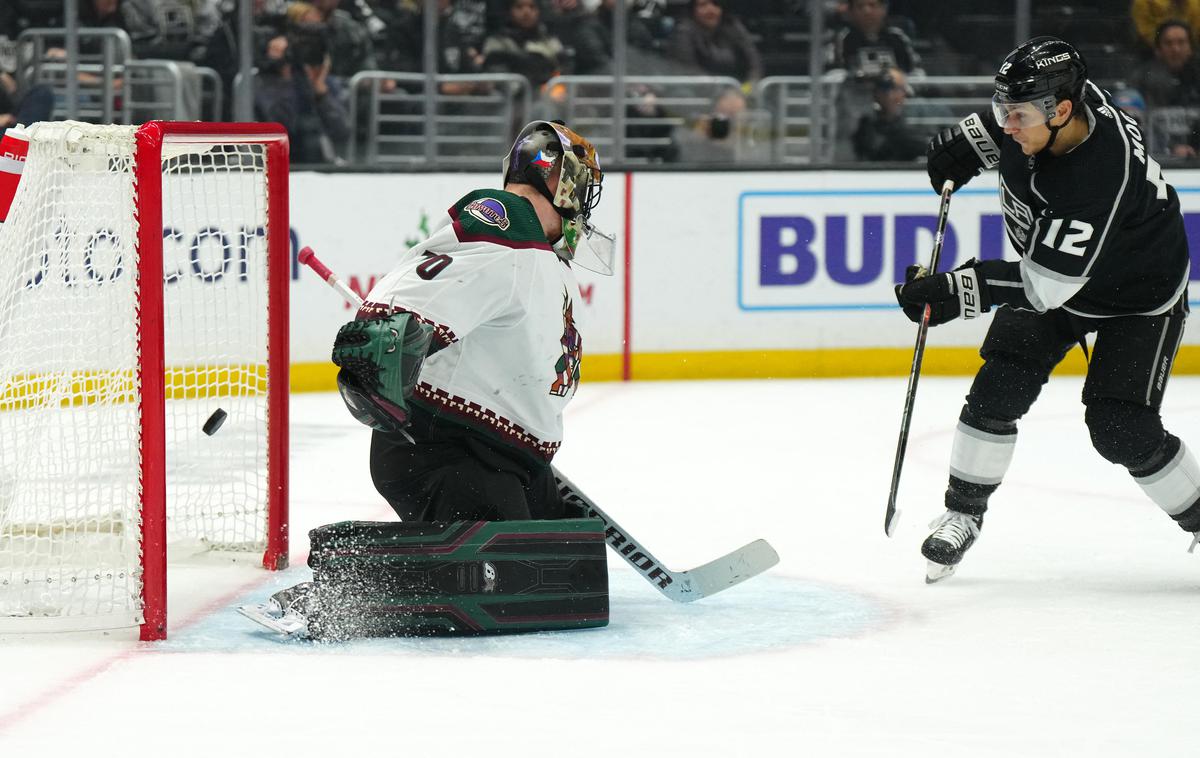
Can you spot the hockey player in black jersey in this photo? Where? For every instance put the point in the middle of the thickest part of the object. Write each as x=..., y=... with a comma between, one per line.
x=1103, y=252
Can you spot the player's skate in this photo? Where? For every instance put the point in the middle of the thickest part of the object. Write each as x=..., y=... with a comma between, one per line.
x=953, y=533
x=284, y=612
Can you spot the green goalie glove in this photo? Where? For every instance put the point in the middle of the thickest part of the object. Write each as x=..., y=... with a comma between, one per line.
x=380, y=360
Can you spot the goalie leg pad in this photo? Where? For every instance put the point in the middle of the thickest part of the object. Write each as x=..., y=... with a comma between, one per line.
x=454, y=578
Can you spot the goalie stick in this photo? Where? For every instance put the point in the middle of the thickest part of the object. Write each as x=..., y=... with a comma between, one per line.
x=681, y=586
x=892, y=514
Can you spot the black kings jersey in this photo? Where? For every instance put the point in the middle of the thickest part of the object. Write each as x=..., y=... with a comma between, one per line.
x=1099, y=228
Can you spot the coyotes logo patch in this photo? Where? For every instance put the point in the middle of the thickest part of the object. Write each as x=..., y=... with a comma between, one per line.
x=566, y=369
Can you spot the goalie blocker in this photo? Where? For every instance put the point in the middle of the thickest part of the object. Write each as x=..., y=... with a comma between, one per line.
x=456, y=578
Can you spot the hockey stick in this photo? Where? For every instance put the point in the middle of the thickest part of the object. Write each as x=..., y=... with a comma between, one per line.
x=892, y=515
x=680, y=586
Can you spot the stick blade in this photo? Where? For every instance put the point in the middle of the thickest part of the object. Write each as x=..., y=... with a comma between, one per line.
x=890, y=521
x=722, y=573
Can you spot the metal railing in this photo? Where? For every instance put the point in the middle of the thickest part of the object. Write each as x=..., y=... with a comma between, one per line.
x=150, y=90
x=102, y=56
x=655, y=109
x=804, y=118
x=939, y=101
x=462, y=121
x=212, y=94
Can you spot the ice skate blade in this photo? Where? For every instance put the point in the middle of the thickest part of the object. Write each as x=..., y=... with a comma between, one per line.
x=268, y=615
x=936, y=572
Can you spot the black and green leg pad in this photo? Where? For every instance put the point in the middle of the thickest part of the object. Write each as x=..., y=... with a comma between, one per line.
x=464, y=577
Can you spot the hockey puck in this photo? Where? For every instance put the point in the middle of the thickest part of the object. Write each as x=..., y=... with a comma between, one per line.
x=214, y=422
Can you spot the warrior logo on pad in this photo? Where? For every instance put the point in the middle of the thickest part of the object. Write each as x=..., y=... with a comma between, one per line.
x=490, y=211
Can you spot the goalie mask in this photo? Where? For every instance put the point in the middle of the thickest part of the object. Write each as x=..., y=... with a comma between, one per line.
x=547, y=154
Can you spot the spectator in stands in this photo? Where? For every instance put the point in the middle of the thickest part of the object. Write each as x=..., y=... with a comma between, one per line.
x=869, y=45
x=293, y=86
x=1170, y=84
x=176, y=30
x=716, y=43
x=22, y=107
x=712, y=139
x=645, y=25
x=649, y=134
x=587, y=45
x=28, y=14
x=885, y=134
x=461, y=31
x=1149, y=15
x=97, y=13
x=350, y=45
x=524, y=46
x=221, y=53
x=1173, y=76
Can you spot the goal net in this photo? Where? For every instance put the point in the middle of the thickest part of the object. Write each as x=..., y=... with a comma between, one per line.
x=143, y=292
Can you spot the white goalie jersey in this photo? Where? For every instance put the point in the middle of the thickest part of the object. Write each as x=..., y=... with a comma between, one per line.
x=501, y=303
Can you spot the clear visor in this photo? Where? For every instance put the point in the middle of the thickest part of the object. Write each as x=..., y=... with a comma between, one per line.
x=587, y=246
x=1019, y=115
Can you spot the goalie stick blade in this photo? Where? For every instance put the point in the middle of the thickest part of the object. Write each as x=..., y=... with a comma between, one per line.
x=722, y=573
x=268, y=615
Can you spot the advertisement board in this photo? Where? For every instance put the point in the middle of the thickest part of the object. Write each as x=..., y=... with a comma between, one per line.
x=717, y=274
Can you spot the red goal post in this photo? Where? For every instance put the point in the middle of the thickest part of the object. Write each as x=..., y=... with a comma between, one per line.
x=106, y=383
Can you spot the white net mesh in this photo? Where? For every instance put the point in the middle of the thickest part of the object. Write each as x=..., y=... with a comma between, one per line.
x=215, y=317
x=70, y=504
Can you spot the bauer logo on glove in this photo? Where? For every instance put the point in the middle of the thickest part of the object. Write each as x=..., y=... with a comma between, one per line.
x=380, y=360
x=951, y=295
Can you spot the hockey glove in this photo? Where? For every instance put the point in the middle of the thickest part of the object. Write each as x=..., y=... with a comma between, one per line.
x=961, y=152
x=958, y=293
x=380, y=360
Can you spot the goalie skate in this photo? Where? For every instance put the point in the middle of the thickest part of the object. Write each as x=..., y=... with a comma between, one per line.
x=283, y=612
x=270, y=615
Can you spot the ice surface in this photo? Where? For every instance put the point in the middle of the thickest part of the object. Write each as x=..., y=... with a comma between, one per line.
x=1070, y=630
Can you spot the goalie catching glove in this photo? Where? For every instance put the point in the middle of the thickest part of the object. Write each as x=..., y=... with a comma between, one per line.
x=380, y=360
x=958, y=293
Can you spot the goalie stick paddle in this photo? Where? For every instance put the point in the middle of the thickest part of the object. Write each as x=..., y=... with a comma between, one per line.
x=680, y=586
x=892, y=515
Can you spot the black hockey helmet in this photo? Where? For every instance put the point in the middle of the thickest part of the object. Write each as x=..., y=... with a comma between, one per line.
x=1040, y=73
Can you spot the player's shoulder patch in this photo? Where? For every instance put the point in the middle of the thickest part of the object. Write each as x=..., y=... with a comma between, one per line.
x=490, y=211
x=499, y=217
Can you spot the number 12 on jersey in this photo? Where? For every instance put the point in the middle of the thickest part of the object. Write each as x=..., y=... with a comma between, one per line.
x=1073, y=241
